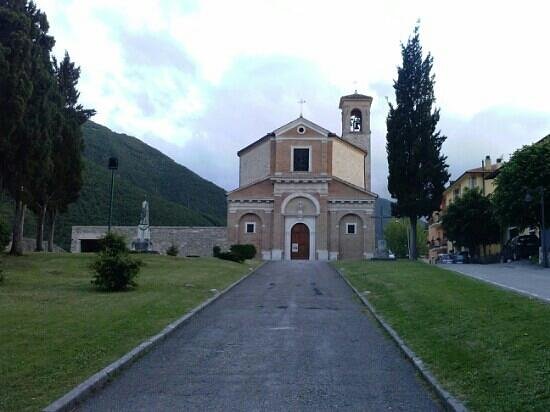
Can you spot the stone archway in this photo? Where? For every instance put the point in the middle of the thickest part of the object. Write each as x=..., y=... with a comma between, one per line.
x=300, y=209
x=351, y=239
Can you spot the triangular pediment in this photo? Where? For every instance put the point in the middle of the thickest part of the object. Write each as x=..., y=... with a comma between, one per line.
x=301, y=121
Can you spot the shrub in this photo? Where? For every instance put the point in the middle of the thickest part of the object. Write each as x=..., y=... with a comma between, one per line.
x=244, y=251
x=230, y=256
x=4, y=236
x=172, y=251
x=113, y=244
x=114, y=268
x=115, y=272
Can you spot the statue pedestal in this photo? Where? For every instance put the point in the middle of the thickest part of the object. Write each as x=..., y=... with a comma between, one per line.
x=142, y=245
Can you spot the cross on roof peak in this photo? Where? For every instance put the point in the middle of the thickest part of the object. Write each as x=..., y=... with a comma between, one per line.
x=301, y=102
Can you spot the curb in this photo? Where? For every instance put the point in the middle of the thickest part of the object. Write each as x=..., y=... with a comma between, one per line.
x=71, y=399
x=501, y=286
x=449, y=402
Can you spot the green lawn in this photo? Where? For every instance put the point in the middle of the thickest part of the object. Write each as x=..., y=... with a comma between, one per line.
x=489, y=347
x=56, y=331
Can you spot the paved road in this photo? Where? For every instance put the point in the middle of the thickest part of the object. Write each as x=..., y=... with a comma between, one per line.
x=522, y=277
x=291, y=337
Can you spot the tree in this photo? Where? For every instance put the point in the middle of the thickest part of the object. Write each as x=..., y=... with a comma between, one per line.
x=15, y=75
x=25, y=141
x=527, y=169
x=417, y=170
x=396, y=234
x=470, y=221
x=66, y=180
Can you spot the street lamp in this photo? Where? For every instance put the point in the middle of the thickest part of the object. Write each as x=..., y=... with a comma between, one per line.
x=529, y=198
x=113, y=165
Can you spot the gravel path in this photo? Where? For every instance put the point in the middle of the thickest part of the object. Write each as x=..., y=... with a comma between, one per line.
x=290, y=337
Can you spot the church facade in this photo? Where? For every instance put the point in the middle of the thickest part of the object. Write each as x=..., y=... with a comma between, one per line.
x=305, y=193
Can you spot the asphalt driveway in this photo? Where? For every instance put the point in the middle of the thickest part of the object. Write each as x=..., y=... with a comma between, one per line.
x=290, y=337
x=521, y=277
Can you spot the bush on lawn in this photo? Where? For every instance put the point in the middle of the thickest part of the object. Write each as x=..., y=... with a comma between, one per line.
x=172, y=251
x=114, y=268
x=113, y=244
x=227, y=255
x=244, y=251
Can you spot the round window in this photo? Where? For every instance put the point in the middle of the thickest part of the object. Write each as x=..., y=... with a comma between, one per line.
x=301, y=129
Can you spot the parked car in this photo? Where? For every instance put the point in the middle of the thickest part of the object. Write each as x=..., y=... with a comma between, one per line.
x=461, y=257
x=391, y=255
x=444, y=258
x=521, y=247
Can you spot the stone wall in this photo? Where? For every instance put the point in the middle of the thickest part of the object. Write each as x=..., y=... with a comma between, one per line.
x=191, y=241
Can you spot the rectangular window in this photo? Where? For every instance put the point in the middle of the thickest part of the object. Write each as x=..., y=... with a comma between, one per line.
x=250, y=228
x=350, y=228
x=301, y=160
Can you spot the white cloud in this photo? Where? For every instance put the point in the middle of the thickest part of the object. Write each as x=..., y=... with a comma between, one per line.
x=198, y=76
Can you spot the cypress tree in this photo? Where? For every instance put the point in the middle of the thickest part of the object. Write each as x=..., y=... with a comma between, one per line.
x=417, y=170
x=26, y=140
x=68, y=144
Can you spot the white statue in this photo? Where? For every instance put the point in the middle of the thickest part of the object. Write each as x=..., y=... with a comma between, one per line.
x=144, y=234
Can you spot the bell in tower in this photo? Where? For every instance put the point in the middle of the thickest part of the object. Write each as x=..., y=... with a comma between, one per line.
x=356, y=125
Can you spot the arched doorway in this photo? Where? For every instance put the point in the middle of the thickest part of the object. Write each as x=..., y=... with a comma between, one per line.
x=299, y=242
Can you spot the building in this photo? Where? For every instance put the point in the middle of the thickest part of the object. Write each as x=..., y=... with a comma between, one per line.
x=305, y=192
x=481, y=178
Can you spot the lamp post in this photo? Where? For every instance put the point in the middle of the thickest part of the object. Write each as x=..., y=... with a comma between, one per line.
x=113, y=165
x=529, y=198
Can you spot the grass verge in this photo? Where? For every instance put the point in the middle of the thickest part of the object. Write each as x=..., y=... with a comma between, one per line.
x=55, y=330
x=487, y=346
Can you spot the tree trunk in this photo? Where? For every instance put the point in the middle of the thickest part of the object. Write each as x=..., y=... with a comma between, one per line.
x=52, y=213
x=412, y=251
x=40, y=229
x=17, y=232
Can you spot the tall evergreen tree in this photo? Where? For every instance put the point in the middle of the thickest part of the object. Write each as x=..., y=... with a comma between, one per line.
x=15, y=75
x=417, y=170
x=66, y=179
x=25, y=140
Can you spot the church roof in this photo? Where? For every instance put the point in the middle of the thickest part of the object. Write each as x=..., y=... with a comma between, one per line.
x=304, y=121
x=294, y=123
x=354, y=96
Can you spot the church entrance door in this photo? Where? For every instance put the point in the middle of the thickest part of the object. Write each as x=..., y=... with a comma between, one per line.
x=299, y=242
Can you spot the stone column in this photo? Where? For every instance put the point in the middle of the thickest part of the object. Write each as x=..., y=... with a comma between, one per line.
x=277, y=230
x=369, y=234
x=334, y=235
x=321, y=243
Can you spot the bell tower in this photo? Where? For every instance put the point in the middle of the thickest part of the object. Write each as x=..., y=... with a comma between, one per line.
x=356, y=126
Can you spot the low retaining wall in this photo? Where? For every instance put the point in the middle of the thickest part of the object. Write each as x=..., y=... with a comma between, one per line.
x=191, y=241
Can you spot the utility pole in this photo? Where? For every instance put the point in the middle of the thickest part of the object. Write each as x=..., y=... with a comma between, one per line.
x=113, y=165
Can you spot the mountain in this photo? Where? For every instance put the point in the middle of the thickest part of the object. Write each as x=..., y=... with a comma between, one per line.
x=176, y=195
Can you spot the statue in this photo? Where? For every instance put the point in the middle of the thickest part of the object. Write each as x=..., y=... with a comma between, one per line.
x=143, y=242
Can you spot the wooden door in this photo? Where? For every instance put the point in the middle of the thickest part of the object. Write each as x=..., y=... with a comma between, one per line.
x=299, y=242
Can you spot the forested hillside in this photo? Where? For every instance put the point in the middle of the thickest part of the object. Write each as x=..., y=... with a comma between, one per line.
x=176, y=195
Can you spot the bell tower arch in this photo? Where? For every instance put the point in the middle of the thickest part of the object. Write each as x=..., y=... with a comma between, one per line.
x=356, y=125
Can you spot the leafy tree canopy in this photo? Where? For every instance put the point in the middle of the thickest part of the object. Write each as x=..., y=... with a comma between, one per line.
x=527, y=170
x=470, y=221
x=395, y=233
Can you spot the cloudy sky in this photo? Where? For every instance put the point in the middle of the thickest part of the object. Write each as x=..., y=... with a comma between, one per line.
x=201, y=79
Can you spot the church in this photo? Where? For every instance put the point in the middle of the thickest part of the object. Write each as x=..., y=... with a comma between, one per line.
x=305, y=192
